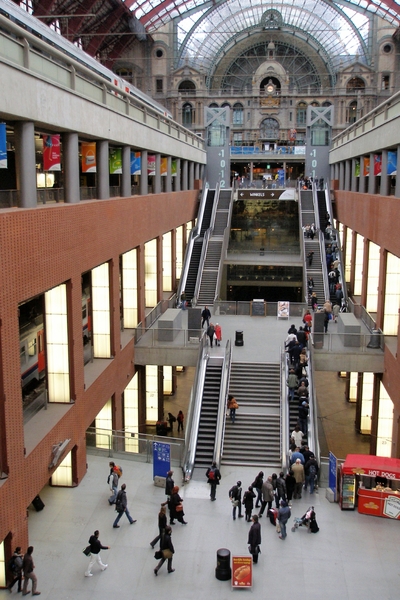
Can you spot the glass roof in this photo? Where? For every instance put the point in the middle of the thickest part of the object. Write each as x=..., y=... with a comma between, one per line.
x=154, y=13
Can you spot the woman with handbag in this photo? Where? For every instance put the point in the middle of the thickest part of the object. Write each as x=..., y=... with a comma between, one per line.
x=176, y=507
x=167, y=549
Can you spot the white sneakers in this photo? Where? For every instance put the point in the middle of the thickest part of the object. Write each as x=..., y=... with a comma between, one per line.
x=88, y=574
x=104, y=568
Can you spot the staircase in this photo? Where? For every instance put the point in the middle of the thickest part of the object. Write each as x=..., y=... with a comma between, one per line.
x=254, y=439
x=208, y=415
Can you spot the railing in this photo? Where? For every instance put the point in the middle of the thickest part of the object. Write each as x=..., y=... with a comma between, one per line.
x=134, y=445
x=10, y=198
x=224, y=248
x=223, y=395
x=280, y=151
x=164, y=337
x=35, y=406
x=284, y=410
x=225, y=307
x=355, y=342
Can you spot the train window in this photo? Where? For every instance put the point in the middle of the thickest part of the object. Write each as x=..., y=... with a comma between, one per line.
x=22, y=355
x=32, y=347
x=84, y=312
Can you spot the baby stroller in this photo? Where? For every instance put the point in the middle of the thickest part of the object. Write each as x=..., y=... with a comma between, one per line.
x=308, y=520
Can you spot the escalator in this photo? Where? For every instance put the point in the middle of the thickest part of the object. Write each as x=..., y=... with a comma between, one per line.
x=209, y=414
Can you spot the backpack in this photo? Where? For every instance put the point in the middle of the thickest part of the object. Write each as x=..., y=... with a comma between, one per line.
x=312, y=470
x=118, y=471
x=211, y=474
x=118, y=502
x=11, y=564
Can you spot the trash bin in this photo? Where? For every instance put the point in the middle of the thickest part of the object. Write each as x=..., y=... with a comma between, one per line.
x=239, y=338
x=375, y=340
x=223, y=570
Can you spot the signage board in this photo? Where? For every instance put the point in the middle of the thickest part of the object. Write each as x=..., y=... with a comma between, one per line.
x=242, y=572
x=161, y=459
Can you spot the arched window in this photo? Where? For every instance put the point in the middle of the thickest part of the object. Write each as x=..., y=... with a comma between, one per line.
x=225, y=105
x=186, y=86
x=269, y=129
x=213, y=105
x=301, y=114
x=327, y=103
x=237, y=114
x=351, y=112
x=314, y=103
x=187, y=114
x=354, y=84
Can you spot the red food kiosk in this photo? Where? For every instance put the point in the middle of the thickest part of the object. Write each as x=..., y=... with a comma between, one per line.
x=372, y=483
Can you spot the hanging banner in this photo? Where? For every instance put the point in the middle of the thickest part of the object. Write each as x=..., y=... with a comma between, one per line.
x=281, y=176
x=164, y=166
x=151, y=164
x=88, y=150
x=115, y=161
x=135, y=163
x=392, y=162
x=173, y=168
x=377, y=164
x=3, y=146
x=292, y=135
x=51, y=153
x=366, y=166
x=357, y=168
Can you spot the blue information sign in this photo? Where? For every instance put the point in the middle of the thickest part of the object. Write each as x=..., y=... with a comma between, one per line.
x=161, y=459
x=333, y=473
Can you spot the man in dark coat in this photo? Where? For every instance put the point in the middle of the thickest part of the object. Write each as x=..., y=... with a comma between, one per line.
x=235, y=494
x=210, y=333
x=169, y=486
x=121, y=506
x=205, y=316
x=284, y=515
x=167, y=549
x=213, y=474
x=254, y=539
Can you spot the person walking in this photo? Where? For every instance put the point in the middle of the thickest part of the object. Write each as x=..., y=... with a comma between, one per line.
x=267, y=492
x=254, y=538
x=311, y=471
x=176, y=510
x=169, y=486
x=232, y=407
x=214, y=475
x=171, y=421
x=95, y=547
x=15, y=567
x=180, y=417
x=235, y=494
x=28, y=567
x=218, y=334
x=162, y=525
x=211, y=333
x=113, y=481
x=121, y=506
x=168, y=551
x=284, y=515
x=280, y=492
x=248, y=501
x=257, y=485
x=205, y=317
x=298, y=472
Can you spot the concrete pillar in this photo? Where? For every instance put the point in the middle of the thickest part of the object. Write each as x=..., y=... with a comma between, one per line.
x=126, y=181
x=177, y=178
x=70, y=142
x=347, y=175
x=384, y=177
x=353, y=179
x=25, y=159
x=168, y=182
x=197, y=171
x=361, y=187
x=144, y=186
x=341, y=175
x=191, y=175
x=371, y=178
x=103, y=170
x=157, y=176
x=184, y=175
x=202, y=170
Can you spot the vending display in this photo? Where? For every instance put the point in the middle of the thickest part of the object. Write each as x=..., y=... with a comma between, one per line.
x=348, y=492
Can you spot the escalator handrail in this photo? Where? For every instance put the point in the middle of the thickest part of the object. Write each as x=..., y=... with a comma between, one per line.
x=223, y=397
x=285, y=414
x=200, y=270
x=224, y=248
x=194, y=410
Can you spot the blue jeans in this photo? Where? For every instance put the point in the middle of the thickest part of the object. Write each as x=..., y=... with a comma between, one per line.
x=113, y=496
x=291, y=394
x=120, y=513
x=233, y=414
x=283, y=529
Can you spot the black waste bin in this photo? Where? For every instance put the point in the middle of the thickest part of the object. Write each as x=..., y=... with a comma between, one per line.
x=239, y=338
x=38, y=503
x=223, y=570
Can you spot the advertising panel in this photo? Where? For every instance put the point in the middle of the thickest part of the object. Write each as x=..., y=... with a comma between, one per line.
x=3, y=146
x=151, y=164
x=115, y=161
x=51, y=153
x=242, y=571
x=135, y=163
x=88, y=150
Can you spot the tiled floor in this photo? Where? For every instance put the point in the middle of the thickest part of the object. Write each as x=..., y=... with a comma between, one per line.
x=352, y=557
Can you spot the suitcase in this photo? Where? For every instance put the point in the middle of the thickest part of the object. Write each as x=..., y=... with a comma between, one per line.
x=38, y=504
x=272, y=514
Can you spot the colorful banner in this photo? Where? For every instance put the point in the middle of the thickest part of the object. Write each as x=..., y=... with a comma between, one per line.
x=151, y=164
x=116, y=161
x=136, y=163
x=173, y=167
x=242, y=571
x=51, y=153
x=377, y=164
x=3, y=146
x=292, y=135
x=366, y=166
x=392, y=162
x=88, y=150
x=357, y=168
x=164, y=166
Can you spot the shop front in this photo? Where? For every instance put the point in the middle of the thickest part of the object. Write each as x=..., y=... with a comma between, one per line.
x=372, y=483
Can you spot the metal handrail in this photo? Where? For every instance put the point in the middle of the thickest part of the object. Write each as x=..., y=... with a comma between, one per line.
x=225, y=245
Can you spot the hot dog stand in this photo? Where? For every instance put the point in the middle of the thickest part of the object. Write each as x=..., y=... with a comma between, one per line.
x=372, y=483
